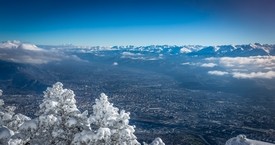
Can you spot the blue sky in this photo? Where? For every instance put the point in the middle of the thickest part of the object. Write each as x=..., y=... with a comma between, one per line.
x=138, y=22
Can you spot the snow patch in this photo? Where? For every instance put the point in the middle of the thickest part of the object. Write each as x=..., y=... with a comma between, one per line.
x=185, y=50
x=29, y=125
x=242, y=140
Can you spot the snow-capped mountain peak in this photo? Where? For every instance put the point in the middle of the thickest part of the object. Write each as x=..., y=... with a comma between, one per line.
x=185, y=50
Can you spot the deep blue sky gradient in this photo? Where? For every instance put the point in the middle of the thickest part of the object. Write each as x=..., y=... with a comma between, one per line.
x=138, y=22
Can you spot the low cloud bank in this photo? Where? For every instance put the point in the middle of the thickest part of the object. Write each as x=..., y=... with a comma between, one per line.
x=253, y=67
x=15, y=51
x=139, y=56
x=18, y=52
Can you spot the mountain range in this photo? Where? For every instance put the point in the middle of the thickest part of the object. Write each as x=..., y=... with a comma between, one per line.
x=189, y=50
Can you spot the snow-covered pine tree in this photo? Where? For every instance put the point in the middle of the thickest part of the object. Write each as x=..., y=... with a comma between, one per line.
x=109, y=126
x=105, y=115
x=59, y=122
x=61, y=104
x=9, y=121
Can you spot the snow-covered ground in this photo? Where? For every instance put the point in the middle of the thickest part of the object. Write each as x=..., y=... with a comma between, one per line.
x=242, y=140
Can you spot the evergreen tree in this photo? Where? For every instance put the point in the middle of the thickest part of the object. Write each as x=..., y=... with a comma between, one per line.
x=60, y=122
x=9, y=121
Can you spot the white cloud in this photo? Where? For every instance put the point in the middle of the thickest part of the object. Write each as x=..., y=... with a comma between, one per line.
x=186, y=63
x=10, y=44
x=18, y=52
x=191, y=64
x=252, y=75
x=256, y=61
x=218, y=73
x=252, y=67
x=200, y=64
x=270, y=68
x=30, y=47
x=115, y=63
x=208, y=65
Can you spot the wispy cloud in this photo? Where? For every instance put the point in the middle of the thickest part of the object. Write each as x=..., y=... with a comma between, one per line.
x=186, y=63
x=139, y=56
x=208, y=65
x=218, y=73
x=262, y=75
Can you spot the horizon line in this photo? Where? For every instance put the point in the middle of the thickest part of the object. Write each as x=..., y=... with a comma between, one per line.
x=82, y=45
